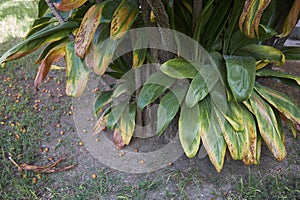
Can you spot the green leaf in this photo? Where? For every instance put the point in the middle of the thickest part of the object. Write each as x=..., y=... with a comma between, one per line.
x=101, y=100
x=139, y=41
x=87, y=29
x=116, y=112
x=201, y=85
x=123, y=18
x=76, y=73
x=153, y=88
x=284, y=77
x=40, y=24
x=237, y=141
x=251, y=156
x=291, y=53
x=178, y=68
x=38, y=40
x=267, y=124
x=240, y=76
x=211, y=135
x=108, y=10
x=189, y=131
x=168, y=107
x=127, y=123
x=267, y=54
x=42, y=8
x=280, y=101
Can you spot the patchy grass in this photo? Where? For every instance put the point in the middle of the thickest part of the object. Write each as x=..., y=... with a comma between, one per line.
x=26, y=116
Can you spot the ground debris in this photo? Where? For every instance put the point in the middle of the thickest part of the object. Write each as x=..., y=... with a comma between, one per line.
x=42, y=169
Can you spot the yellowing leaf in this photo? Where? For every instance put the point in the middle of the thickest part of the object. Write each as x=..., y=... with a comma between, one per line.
x=65, y=5
x=291, y=19
x=87, y=29
x=76, y=73
x=45, y=67
x=251, y=15
x=123, y=18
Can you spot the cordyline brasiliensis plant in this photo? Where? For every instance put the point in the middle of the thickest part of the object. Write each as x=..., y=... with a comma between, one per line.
x=243, y=38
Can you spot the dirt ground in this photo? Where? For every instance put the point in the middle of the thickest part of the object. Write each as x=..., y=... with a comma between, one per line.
x=209, y=183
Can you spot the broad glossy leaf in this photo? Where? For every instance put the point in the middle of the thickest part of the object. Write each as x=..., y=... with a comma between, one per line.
x=116, y=112
x=65, y=5
x=168, y=107
x=45, y=66
x=240, y=76
x=291, y=20
x=178, y=68
x=252, y=143
x=127, y=123
x=153, y=88
x=189, y=130
x=237, y=141
x=123, y=18
x=87, y=29
x=280, y=101
x=267, y=124
x=290, y=79
x=201, y=85
x=108, y=10
x=292, y=53
x=251, y=15
x=211, y=134
x=123, y=88
x=76, y=73
x=102, y=99
x=267, y=54
x=38, y=40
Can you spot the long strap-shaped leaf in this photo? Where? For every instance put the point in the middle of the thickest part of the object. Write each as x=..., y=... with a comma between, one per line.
x=210, y=133
x=127, y=123
x=178, y=68
x=76, y=73
x=153, y=88
x=267, y=124
x=280, y=101
x=189, y=129
x=123, y=18
x=168, y=107
x=241, y=76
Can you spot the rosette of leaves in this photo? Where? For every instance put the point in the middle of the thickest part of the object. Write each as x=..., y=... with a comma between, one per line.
x=235, y=33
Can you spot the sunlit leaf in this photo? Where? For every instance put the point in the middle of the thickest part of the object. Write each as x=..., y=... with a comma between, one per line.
x=291, y=53
x=76, y=73
x=123, y=18
x=45, y=67
x=267, y=124
x=38, y=40
x=87, y=29
x=240, y=76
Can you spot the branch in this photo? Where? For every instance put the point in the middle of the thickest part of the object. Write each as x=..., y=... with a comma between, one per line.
x=58, y=17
